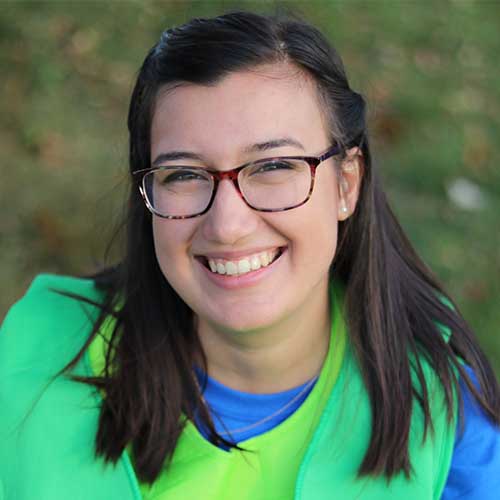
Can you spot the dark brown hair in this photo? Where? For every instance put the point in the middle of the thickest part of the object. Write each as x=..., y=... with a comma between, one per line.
x=395, y=309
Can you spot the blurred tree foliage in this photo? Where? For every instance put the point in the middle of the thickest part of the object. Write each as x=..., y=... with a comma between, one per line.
x=428, y=69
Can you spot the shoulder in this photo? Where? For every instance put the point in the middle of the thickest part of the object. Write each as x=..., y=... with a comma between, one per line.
x=48, y=321
x=44, y=286
x=50, y=301
x=474, y=471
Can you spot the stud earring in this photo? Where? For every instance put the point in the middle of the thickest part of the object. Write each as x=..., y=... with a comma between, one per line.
x=343, y=206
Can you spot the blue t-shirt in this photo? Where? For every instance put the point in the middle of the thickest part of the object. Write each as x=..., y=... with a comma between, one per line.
x=475, y=467
x=235, y=413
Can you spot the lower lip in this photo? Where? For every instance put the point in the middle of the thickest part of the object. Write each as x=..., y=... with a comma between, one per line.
x=231, y=282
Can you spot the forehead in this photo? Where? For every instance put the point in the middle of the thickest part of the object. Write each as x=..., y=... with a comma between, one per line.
x=251, y=106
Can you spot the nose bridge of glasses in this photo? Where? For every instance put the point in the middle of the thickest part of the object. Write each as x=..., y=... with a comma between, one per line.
x=227, y=202
x=230, y=175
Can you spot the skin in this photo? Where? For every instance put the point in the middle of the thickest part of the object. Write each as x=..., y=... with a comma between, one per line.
x=274, y=334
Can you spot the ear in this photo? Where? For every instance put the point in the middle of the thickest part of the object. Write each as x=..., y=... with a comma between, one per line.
x=350, y=175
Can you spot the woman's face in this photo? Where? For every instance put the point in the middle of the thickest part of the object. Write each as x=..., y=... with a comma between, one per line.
x=220, y=124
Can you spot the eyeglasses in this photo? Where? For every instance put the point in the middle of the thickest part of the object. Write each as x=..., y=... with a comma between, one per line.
x=267, y=185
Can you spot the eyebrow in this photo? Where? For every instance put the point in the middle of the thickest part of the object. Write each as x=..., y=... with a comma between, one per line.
x=276, y=143
x=253, y=148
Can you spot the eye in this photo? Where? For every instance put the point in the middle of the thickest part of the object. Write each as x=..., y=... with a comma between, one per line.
x=178, y=175
x=274, y=172
x=273, y=166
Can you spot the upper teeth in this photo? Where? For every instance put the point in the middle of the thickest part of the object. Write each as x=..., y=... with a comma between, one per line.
x=244, y=265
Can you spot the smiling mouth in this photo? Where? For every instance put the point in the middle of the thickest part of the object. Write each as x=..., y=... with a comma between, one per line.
x=239, y=267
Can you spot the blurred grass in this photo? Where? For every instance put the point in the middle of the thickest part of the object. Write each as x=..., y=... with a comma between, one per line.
x=428, y=69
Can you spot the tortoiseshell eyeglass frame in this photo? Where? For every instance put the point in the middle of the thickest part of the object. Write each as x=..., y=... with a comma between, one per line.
x=217, y=176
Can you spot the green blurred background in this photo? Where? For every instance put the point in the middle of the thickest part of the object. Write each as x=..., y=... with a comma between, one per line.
x=429, y=70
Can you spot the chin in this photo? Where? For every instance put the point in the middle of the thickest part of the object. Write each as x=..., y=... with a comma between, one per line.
x=238, y=321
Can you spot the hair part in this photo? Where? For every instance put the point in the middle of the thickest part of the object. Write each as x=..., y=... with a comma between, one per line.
x=394, y=306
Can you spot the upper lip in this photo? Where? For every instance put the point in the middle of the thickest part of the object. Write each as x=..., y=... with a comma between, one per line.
x=233, y=254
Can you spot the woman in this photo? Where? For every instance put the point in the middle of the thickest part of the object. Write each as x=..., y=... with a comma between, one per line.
x=270, y=332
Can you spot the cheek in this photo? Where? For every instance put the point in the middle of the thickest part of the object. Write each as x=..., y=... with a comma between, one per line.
x=312, y=231
x=321, y=231
x=161, y=240
x=319, y=242
x=171, y=241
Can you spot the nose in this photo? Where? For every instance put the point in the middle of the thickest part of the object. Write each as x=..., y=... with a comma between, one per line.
x=229, y=220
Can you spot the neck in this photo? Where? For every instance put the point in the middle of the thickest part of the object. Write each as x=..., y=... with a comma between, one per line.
x=272, y=359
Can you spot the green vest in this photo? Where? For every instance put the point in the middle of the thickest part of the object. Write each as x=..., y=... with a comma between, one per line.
x=47, y=430
x=268, y=468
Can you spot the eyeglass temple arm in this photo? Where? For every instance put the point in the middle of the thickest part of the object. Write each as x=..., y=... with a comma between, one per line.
x=334, y=150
